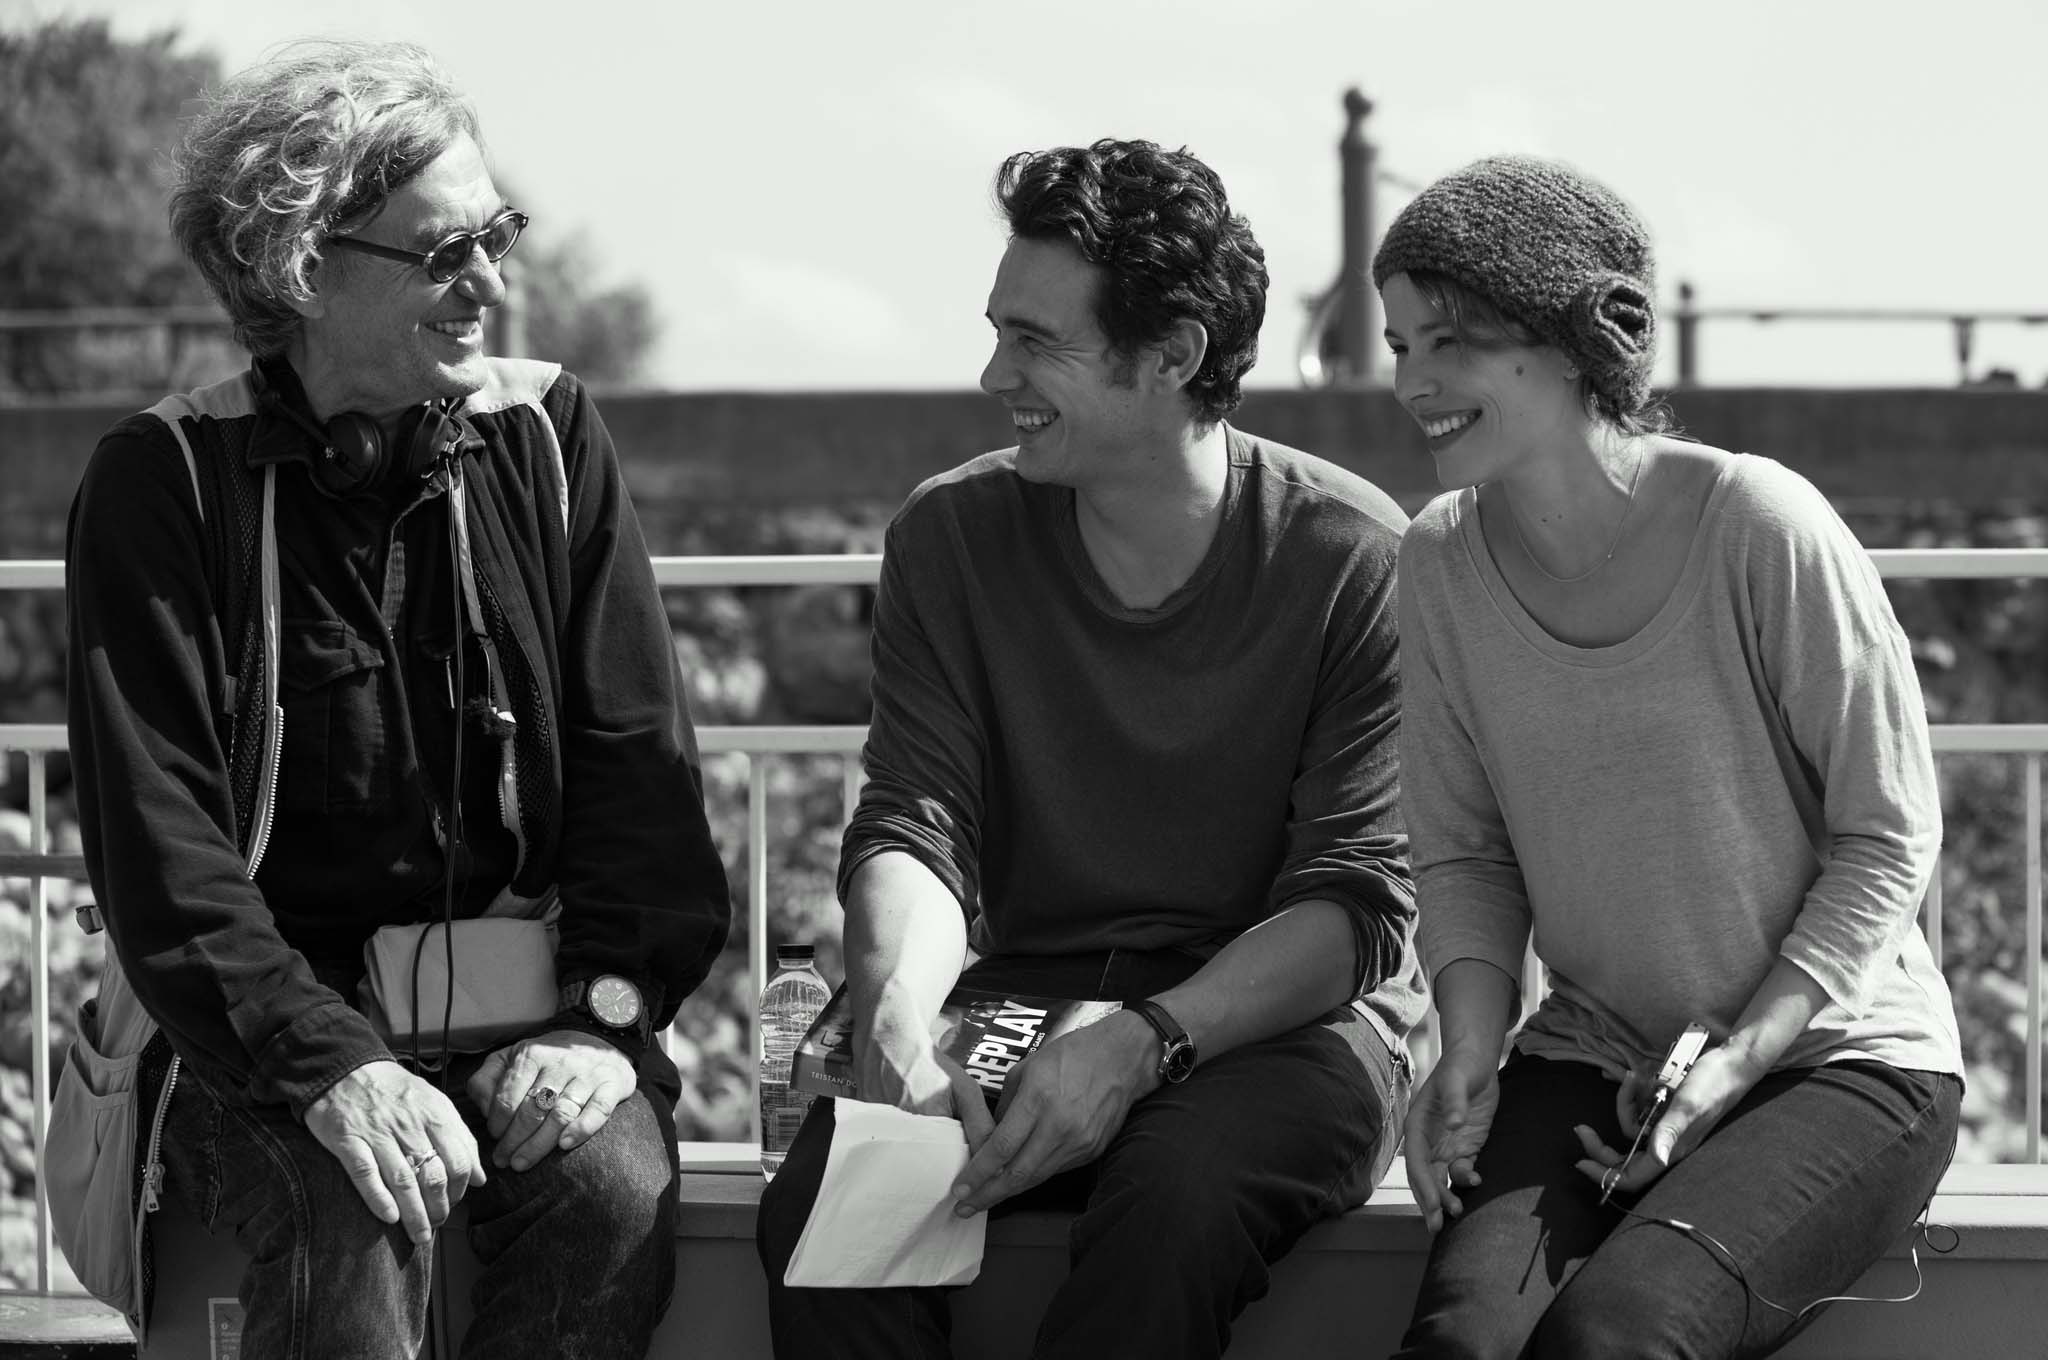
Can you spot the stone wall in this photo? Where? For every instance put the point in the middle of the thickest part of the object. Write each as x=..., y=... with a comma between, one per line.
x=688, y=452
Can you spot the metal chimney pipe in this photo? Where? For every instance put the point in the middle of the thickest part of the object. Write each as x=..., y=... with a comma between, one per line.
x=1357, y=305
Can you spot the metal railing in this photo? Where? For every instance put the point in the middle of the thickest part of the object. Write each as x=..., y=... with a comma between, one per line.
x=1963, y=324
x=759, y=743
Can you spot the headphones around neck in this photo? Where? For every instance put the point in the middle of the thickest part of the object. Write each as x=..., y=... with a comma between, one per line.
x=349, y=456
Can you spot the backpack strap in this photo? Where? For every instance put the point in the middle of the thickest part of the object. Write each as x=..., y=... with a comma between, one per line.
x=237, y=512
x=510, y=384
x=237, y=505
x=526, y=382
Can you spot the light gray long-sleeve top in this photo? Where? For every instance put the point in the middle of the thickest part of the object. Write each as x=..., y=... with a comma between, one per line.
x=1745, y=778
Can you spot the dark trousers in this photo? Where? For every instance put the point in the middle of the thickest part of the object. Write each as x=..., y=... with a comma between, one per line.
x=1805, y=1183
x=1207, y=1184
x=576, y=1253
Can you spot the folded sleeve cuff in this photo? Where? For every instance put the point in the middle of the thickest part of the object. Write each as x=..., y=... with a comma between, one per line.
x=316, y=1050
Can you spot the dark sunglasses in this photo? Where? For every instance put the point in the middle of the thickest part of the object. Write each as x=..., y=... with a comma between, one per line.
x=451, y=256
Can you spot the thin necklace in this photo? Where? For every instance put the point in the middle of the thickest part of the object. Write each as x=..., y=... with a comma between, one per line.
x=1515, y=523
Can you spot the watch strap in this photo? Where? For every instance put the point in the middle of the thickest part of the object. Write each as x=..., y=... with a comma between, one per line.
x=1177, y=1054
x=1155, y=1015
x=573, y=998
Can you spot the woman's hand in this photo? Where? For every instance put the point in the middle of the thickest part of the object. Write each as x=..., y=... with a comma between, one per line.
x=1447, y=1125
x=1633, y=1102
x=1717, y=1081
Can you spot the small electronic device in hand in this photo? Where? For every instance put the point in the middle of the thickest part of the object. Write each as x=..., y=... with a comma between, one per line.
x=1678, y=1064
x=1684, y=1053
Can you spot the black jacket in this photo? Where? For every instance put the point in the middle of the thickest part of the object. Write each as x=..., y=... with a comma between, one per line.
x=175, y=747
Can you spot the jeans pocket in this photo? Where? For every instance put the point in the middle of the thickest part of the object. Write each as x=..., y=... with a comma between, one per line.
x=333, y=716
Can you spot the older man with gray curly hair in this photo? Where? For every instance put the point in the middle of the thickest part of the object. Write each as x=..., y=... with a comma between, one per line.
x=365, y=647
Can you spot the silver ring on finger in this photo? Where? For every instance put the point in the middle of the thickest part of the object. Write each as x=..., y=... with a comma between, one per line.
x=543, y=1098
x=567, y=1110
x=419, y=1160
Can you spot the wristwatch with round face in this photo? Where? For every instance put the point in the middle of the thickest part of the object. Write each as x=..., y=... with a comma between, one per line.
x=1178, y=1057
x=612, y=1001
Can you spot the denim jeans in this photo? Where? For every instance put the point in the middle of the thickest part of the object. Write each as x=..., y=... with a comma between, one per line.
x=1206, y=1185
x=576, y=1254
x=1805, y=1183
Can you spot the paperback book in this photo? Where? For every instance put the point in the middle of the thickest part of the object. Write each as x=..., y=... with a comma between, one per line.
x=988, y=1033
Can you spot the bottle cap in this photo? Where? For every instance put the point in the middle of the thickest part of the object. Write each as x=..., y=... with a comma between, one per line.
x=794, y=955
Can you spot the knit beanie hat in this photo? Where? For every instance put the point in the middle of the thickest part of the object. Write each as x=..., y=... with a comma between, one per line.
x=1550, y=248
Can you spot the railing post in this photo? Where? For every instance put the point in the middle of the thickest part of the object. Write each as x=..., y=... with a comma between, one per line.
x=2033, y=964
x=757, y=919
x=1966, y=335
x=1533, y=983
x=39, y=1001
x=1930, y=907
x=850, y=780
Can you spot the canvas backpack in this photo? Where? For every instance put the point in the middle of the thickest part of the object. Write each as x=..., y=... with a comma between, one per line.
x=102, y=1158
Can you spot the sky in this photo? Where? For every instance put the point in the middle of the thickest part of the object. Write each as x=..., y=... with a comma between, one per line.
x=803, y=187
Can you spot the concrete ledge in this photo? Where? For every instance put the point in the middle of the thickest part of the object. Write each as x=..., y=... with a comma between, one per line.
x=71, y=1326
x=1346, y=1290
x=2000, y=1213
x=1348, y=1287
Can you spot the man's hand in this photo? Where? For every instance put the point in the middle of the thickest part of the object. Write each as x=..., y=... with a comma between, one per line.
x=1718, y=1080
x=1065, y=1103
x=401, y=1141
x=895, y=1063
x=1447, y=1125
x=554, y=1091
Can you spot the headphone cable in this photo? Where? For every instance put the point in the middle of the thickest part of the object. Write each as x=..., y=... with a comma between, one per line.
x=1728, y=1258
x=450, y=867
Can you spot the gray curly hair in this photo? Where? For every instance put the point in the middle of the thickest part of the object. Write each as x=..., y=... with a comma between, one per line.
x=307, y=143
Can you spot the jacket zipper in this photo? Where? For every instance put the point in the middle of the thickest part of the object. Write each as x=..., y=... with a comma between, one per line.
x=152, y=1192
x=266, y=815
x=153, y=1165
x=273, y=744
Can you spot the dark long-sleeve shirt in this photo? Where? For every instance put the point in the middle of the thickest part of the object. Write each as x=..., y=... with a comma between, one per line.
x=1083, y=775
x=362, y=831
x=610, y=807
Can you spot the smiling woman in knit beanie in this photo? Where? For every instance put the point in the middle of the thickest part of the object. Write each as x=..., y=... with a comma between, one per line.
x=1659, y=719
x=1549, y=248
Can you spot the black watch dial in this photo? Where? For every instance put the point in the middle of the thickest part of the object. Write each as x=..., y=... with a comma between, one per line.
x=614, y=1001
x=1178, y=1062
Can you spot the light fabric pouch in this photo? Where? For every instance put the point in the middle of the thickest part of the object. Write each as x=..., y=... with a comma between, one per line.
x=89, y=1155
x=491, y=978
x=884, y=1214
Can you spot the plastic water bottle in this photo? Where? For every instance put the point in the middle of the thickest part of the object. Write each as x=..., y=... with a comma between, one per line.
x=792, y=1001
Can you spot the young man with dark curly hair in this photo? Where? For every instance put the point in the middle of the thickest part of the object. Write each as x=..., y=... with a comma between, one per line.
x=1133, y=739
x=366, y=636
